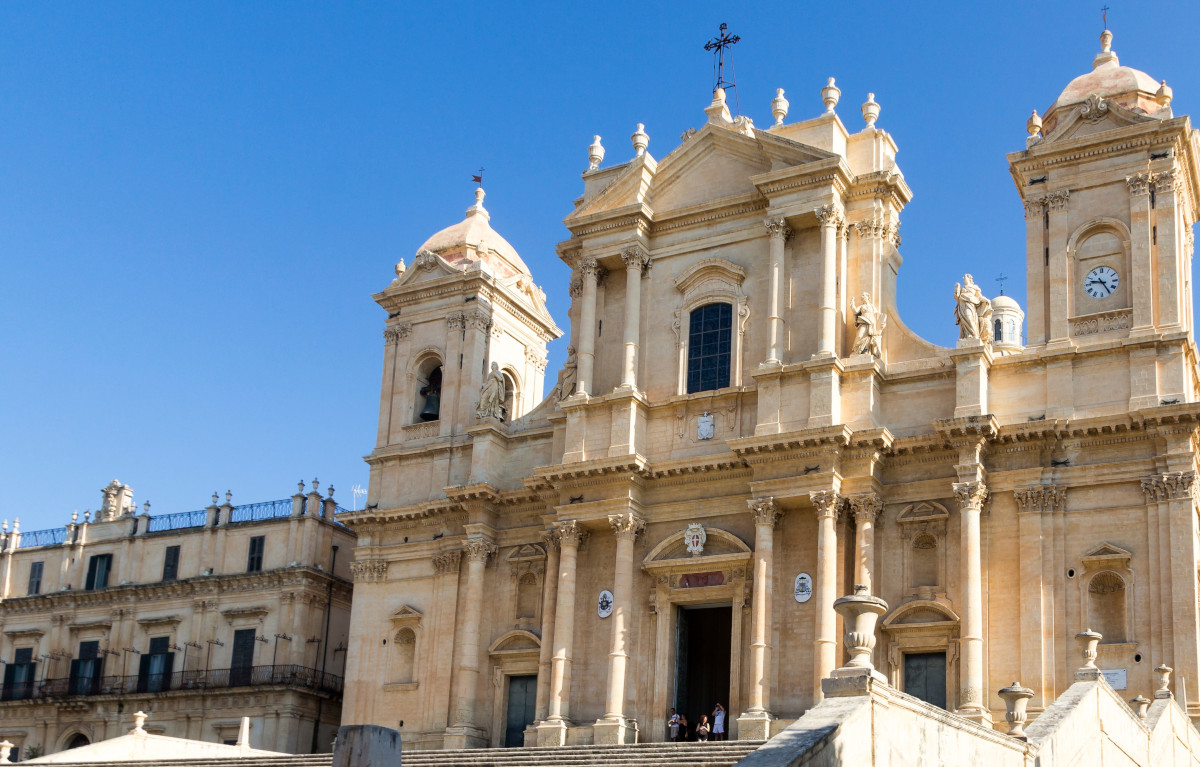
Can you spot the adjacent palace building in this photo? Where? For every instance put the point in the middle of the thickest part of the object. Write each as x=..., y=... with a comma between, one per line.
x=745, y=429
x=198, y=618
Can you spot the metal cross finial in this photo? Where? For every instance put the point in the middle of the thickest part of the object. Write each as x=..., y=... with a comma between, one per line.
x=478, y=179
x=1001, y=279
x=718, y=45
x=1104, y=16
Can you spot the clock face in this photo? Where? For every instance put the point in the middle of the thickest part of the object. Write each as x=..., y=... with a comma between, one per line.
x=1101, y=282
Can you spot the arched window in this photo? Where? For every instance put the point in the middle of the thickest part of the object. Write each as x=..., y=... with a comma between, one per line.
x=998, y=331
x=527, y=596
x=404, y=649
x=710, y=344
x=924, y=561
x=1106, y=606
x=78, y=741
x=429, y=390
x=511, y=397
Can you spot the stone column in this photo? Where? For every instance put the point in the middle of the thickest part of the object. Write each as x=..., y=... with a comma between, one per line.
x=436, y=694
x=1060, y=279
x=590, y=271
x=826, y=503
x=971, y=496
x=778, y=231
x=755, y=723
x=865, y=508
x=636, y=262
x=553, y=731
x=830, y=218
x=1141, y=277
x=463, y=732
x=549, y=600
x=614, y=728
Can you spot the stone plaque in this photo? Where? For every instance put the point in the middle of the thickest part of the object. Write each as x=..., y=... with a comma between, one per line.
x=1115, y=678
x=604, y=605
x=699, y=580
x=705, y=427
x=803, y=589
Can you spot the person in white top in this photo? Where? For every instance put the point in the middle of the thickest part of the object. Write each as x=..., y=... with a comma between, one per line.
x=673, y=724
x=718, y=719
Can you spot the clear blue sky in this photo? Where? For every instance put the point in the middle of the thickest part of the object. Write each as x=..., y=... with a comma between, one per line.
x=197, y=199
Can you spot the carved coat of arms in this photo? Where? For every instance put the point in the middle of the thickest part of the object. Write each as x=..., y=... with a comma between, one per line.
x=694, y=536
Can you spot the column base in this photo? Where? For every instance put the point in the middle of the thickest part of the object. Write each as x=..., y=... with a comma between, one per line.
x=976, y=714
x=754, y=725
x=852, y=680
x=614, y=732
x=552, y=732
x=531, y=736
x=464, y=736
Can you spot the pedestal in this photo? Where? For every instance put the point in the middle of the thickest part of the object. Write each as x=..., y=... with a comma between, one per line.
x=614, y=732
x=754, y=726
x=464, y=737
x=552, y=732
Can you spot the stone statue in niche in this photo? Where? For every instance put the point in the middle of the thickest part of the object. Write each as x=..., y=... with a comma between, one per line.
x=491, y=396
x=567, y=376
x=972, y=312
x=869, y=324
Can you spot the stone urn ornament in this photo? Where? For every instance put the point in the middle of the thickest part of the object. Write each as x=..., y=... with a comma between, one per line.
x=1162, y=676
x=1087, y=642
x=860, y=612
x=1016, y=699
x=1140, y=706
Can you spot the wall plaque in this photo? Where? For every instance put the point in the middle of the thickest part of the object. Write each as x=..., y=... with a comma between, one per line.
x=700, y=580
x=1115, y=677
x=803, y=590
x=604, y=605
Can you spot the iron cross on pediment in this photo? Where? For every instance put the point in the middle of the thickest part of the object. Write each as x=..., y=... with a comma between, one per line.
x=718, y=45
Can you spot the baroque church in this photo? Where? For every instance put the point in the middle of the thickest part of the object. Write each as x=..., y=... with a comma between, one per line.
x=745, y=431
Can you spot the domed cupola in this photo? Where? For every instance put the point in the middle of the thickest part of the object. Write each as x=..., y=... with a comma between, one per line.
x=1132, y=88
x=473, y=239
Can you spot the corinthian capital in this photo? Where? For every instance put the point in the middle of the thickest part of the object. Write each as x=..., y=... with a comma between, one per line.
x=777, y=229
x=827, y=503
x=1057, y=201
x=479, y=549
x=635, y=257
x=626, y=525
x=971, y=495
x=865, y=507
x=1166, y=181
x=551, y=539
x=1172, y=486
x=572, y=533
x=1043, y=498
x=446, y=562
x=1034, y=207
x=589, y=267
x=1139, y=183
x=765, y=511
x=830, y=215
x=369, y=569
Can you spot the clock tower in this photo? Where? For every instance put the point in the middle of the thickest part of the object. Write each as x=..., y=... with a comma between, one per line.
x=1109, y=180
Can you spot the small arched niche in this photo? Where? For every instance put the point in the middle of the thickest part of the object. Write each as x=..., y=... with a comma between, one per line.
x=404, y=656
x=1106, y=606
x=512, y=395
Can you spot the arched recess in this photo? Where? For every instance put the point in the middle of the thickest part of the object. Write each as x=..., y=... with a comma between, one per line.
x=923, y=534
x=426, y=374
x=75, y=738
x=1106, y=599
x=404, y=650
x=922, y=626
x=513, y=653
x=512, y=394
x=1100, y=242
x=527, y=568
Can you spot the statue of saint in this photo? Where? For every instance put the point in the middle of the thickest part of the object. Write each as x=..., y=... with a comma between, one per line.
x=567, y=376
x=869, y=323
x=972, y=312
x=491, y=396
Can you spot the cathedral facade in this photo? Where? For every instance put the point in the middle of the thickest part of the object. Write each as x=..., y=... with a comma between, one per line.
x=745, y=430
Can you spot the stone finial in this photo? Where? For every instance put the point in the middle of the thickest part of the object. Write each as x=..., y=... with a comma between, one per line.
x=300, y=487
x=5, y=750
x=400, y=267
x=595, y=153
x=1034, y=124
x=1016, y=699
x=1087, y=644
x=316, y=485
x=870, y=110
x=87, y=517
x=1164, y=94
x=860, y=612
x=17, y=525
x=216, y=498
x=1106, y=53
x=329, y=493
x=830, y=95
x=640, y=140
x=139, y=719
x=718, y=110
x=1162, y=675
x=74, y=519
x=146, y=508
x=779, y=107
x=1106, y=41
x=1140, y=704
x=228, y=496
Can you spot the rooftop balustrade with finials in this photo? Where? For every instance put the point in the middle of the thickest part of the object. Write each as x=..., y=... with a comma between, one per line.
x=194, y=680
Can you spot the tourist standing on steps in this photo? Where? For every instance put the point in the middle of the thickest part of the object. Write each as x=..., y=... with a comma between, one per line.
x=683, y=728
x=703, y=728
x=718, y=719
x=673, y=726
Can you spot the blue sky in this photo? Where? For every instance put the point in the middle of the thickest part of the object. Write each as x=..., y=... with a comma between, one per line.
x=197, y=199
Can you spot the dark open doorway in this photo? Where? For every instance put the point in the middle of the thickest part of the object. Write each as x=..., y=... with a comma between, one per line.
x=702, y=661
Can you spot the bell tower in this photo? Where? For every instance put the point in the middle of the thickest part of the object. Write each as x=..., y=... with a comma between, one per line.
x=467, y=306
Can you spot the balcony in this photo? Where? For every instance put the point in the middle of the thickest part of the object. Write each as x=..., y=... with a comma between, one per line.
x=299, y=677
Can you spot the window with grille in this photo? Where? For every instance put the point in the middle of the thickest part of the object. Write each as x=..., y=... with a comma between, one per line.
x=35, y=578
x=86, y=670
x=710, y=345
x=254, y=562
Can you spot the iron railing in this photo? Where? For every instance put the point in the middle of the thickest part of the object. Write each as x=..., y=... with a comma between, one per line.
x=180, y=521
x=213, y=679
x=258, y=512
x=55, y=536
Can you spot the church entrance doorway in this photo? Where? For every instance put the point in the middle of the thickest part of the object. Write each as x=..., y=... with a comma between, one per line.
x=522, y=707
x=702, y=653
x=925, y=676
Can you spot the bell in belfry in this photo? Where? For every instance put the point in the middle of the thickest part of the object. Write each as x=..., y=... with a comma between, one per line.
x=433, y=396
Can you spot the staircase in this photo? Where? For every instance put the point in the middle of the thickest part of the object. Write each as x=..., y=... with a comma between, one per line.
x=722, y=754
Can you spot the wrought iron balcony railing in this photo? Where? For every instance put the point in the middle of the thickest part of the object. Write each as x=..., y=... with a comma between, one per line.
x=213, y=679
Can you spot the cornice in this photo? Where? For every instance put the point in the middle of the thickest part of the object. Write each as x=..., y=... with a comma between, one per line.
x=778, y=446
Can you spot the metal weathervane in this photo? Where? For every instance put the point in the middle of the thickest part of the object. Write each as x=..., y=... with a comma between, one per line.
x=478, y=179
x=718, y=45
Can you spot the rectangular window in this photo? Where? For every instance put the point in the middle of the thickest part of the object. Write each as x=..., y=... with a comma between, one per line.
x=35, y=578
x=710, y=335
x=86, y=670
x=171, y=564
x=254, y=562
x=99, y=566
x=20, y=675
x=243, y=657
x=154, y=670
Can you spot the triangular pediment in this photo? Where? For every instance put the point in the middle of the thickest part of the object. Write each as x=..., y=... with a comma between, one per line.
x=407, y=615
x=925, y=511
x=426, y=266
x=1093, y=116
x=527, y=551
x=1106, y=552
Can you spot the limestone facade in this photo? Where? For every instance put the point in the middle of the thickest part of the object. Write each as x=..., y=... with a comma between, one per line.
x=198, y=619
x=715, y=441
